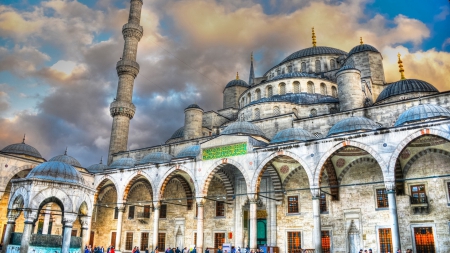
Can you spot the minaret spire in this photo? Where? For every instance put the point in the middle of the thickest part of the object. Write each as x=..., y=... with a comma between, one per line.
x=251, y=78
x=400, y=66
x=122, y=109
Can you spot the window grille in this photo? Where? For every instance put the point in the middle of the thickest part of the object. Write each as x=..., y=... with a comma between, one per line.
x=220, y=209
x=131, y=212
x=292, y=204
x=276, y=111
x=424, y=239
x=326, y=242
x=258, y=94
x=310, y=87
x=219, y=240
x=418, y=194
x=129, y=241
x=334, y=92
x=269, y=91
x=294, y=242
x=296, y=87
x=144, y=241
x=323, y=89
x=385, y=237
x=163, y=211
x=282, y=89
x=382, y=199
x=323, y=203
x=318, y=70
x=257, y=114
x=162, y=241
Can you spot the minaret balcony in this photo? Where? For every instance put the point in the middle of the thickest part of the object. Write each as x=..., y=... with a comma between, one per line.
x=132, y=30
x=122, y=108
x=127, y=67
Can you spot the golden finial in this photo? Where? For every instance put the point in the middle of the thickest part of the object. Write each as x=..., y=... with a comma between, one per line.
x=23, y=140
x=400, y=66
x=313, y=37
x=360, y=41
x=237, y=75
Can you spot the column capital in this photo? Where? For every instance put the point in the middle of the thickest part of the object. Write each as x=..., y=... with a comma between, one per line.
x=30, y=215
x=13, y=214
x=85, y=221
x=252, y=198
x=156, y=205
x=69, y=219
x=390, y=186
x=315, y=192
x=200, y=201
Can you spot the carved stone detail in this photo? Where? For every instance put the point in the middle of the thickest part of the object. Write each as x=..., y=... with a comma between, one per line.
x=390, y=186
x=133, y=31
x=122, y=108
x=315, y=192
x=69, y=219
x=129, y=67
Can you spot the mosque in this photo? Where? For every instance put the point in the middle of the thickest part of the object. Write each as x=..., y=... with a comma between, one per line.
x=319, y=153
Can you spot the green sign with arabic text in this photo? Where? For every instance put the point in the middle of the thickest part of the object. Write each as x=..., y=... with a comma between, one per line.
x=224, y=151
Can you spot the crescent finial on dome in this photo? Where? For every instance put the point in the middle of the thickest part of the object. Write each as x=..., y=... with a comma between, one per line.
x=361, y=41
x=400, y=66
x=23, y=140
x=313, y=38
x=237, y=75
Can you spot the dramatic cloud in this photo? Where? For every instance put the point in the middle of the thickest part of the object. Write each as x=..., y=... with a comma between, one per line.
x=190, y=50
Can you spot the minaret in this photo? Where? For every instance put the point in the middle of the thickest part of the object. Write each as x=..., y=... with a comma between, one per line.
x=122, y=109
x=251, y=78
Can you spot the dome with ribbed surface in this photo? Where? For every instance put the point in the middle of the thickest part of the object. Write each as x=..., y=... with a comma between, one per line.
x=123, y=163
x=189, y=151
x=178, y=134
x=292, y=134
x=193, y=106
x=363, y=48
x=421, y=113
x=57, y=172
x=297, y=98
x=313, y=51
x=294, y=75
x=66, y=159
x=353, y=124
x=237, y=82
x=156, y=157
x=97, y=168
x=243, y=127
x=405, y=86
x=21, y=149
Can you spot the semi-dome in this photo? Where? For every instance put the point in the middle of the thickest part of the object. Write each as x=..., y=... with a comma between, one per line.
x=57, y=172
x=294, y=75
x=237, y=82
x=243, y=127
x=422, y=112
x=311, y=51
x=21, y=149
x=156, y=157
x=97, y=168
x=405, y=86
x=292, y=134
x=123, y=163
x=178, y=134
x=298, y=98
x=66, y=159
x=193, y=106
x=189, y=151
x=363, y=48
x=353, y=124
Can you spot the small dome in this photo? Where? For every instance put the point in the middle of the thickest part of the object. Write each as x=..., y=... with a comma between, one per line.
x=243, y=127
x=363, y=48
x=422, y=112
x=353, y=124
x=66, y=159
x=122, y=163
x=178, y=134
x=56, y=171
x=237, y=82
x=405, y=86
x=156, y=157
x=189, y=151
x=293, y=75
x=193, y=106
x=21, y=149
x=97, y=168
x=292, y=134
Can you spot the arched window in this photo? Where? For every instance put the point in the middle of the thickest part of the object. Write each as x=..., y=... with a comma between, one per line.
x=269, y=91
x=313, y=113
x=242, y=102
x=276, y=111
x=249, y=98
x=296, y=87
x=294, y=110
x=323, y=89
x=318, y=66
x=303, y=66
x=282, y=88
x=283, y=71
x=332, y=64
x=325, y=66
x=257, y=114
x=334, y=92
x=310, y=87
x=258, y=94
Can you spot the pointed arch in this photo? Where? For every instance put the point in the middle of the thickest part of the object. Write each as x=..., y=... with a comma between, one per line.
x=157, y=195
x=419, y=155
x=20, y=193
x=101, y=185
x=48, y=195
x=350, y=165
x=213, y=169
x=136, y=177
x=184, y=183
x=405, y=142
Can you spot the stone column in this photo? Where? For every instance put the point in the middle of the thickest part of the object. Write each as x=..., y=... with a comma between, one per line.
x=30, y=217
x=253, y=223
x=120, y=209
x=68, y=220
x=156, y=226
x=199, y=244
x=390, y=190
x=85, y=231
x=12, y=217
x=46, y=219
x=317, y=233
x=273, y=223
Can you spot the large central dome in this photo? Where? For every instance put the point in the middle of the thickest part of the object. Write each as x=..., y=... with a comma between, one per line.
x=313, y=51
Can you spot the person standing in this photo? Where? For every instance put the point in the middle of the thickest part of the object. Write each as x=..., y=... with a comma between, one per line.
x=207, y=250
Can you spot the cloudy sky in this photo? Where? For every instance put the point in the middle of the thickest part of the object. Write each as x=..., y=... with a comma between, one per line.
x=57, y=58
